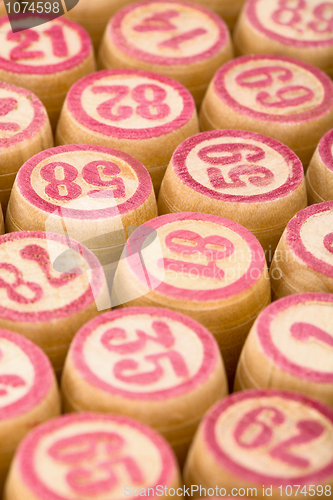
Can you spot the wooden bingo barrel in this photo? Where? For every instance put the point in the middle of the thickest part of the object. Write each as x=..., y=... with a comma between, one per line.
x=92, y=193
x=92, y=456
x=303, y=261
x=229, y=11
x=290, y=347
x=175, y=38
x=247, y=177
x=268, y=440
x=93, y=16
x=161, y=367
x=28, y=393
x=319, y=177
x=24, y=131
x=49, y=287
x=302, y=29
x=46, y=59
x=139, y=112
x=277, y=96
x=202, y=265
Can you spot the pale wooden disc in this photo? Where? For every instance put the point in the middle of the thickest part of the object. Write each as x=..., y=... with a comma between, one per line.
x=92, y=193
x=249, y=178
x=202, y=265
x=277, y=96
x=301, y=29
x=267, y=438
x=28, y=393
x=319, y=177
x=290, y=347
x=303, y=261
x=145, y=363
x=139, y=112
x=176, y=38
x=114, y=452
x=49, y=287
x=46, y=59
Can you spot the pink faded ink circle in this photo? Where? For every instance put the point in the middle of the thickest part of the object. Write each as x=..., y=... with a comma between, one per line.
x=26, y=453
x=256, y=266
x=74, y=104
x=250, y=11
x=209, y=422
x=84, y=301
x=23, y=180
x=292, y=161
x=294, y=241
x=209, y=347
x=115, y=32
x=325, y=149
x=37, y=122
x=263, y=327
x=43, y=377
x=49, y=69
x=326, y=105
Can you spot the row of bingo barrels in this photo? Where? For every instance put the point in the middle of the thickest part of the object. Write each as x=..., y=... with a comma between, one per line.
x=24, y=131
x=50, y=286
x=93, y=194
x=46, y=59
x=290, y=347
x=179, y=39
x=141, y=113
x=152, y=364
x=301, y=29
x=29, y=393
x=278, y=96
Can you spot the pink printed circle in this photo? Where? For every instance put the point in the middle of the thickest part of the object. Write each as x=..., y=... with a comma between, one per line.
x=253, y=255
x=29, y=46
x=37, y=254
x=9, y=128
x=30, y=392
x=108, y=431
x=261, y=399
x=325, y=149
x=118, y=123
x=302, y=331
x=289, y=73
x=220, y=156
x=138, y=197
x=174, y=35
x=295, y=238
x=307, y=19
x=187, y=381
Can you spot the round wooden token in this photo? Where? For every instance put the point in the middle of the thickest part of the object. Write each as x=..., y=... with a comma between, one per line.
x=49, y=287
x=93, y=16
x=24, y=131
x=277, y=96
x=147, y=116
x=319, y=177
x=176, y=38
x=46, y=59
x=290, y=347
x=204, y=266
x=302, y=29
x=28, y=393
x=247, y=177
x=303, y=261
x=91, y=193
x=268, y=440
x=161, y=367
x=92, y=456
x=229, y=11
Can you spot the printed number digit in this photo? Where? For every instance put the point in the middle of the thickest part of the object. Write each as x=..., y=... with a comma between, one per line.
x=105, y=110
x=17, y=282
x=26, y=39
x=63, y=189
x=305, y=331
x=59, y=45
x=324, y=15
x=92, y=175
x=289, y=12
x=7, y=105
x=159, y=21
x=156, y=102
x=328, y=242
